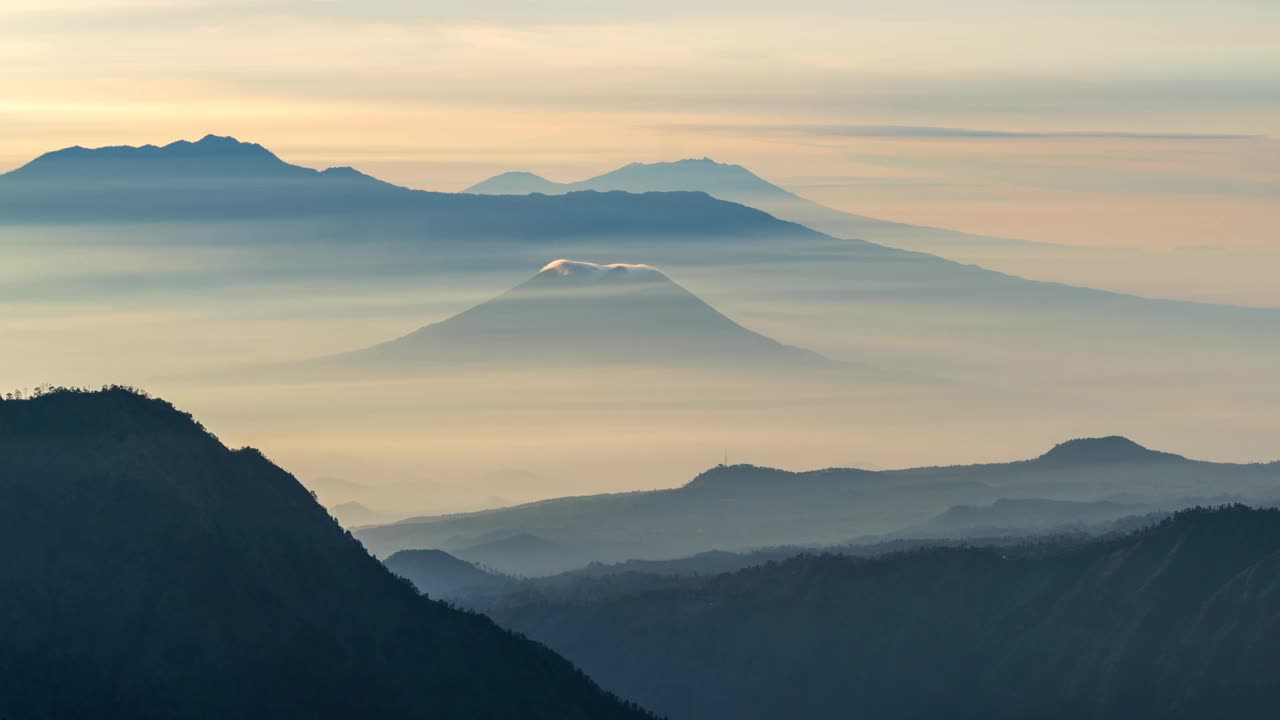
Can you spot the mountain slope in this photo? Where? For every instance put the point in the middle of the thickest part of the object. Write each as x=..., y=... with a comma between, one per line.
x=224, y=179
x=586, y=314
x=153, y=573
x=743, y=507
x=848, y=299
x=1104, y=451
x=1180, y=620
x=1193, y=274
x=705, y=175
x=1025, y=516
x=517, y=183
x=735, y=184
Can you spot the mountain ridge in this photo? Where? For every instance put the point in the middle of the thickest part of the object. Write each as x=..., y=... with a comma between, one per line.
x=1185, y=614
x=156, y=573
x=1146, y=273
x=730, y=182
x=1112, y=448
x=211, y=155
x=745, y=507
x=438, y=574
x=684, y=174
x=340, y=208
x=222, y=178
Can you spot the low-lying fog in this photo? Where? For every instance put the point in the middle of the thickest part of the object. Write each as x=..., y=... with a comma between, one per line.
x=948, y=382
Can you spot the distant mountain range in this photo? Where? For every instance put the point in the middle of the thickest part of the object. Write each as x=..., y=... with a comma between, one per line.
x=150, y=572
x=1022, y=525
x=346, y=225
x=738, y=184
x=743, y=507
x=211, y=158
x=223, y=179
x=1167, y=273
x=579, y=313
x=1180, y=620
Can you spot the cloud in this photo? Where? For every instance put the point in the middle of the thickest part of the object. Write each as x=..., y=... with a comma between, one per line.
x=862, y=181
x=943, y=133
x=566, y=268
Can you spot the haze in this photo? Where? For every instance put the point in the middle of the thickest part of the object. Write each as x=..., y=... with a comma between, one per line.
x=1149, y=125
x=706, y=360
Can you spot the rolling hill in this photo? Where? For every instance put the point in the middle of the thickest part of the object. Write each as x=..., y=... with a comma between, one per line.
x=1179, y=620
x=438, y=574
x=743, y=507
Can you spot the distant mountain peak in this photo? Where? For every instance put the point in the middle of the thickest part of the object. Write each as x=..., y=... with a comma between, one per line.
x=219, y=142
x=210, y=156
x=702, y=162
x=688, y=175
x=1110, y=449
x=593, y=281
x=517, y=182
x=522, y=174
x=439, y=574
x=594, y=271
x=739, y=477
x=344, y=171
x=682, y=162
x=585, y=312
x=212, y=139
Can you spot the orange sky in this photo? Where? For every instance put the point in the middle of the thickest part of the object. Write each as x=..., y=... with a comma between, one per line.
x=846, y=102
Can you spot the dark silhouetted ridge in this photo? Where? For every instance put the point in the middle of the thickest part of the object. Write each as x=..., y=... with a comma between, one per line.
x=732, y=477
x=1181, y=620
x=439, y=574
x=1112, y=449
x=737, y=478
x=150, y=572
x=118, y=410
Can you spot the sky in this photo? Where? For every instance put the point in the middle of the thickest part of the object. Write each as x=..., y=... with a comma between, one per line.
x=1138, y=124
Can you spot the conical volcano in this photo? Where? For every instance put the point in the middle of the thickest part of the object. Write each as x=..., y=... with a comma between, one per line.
x=574, y=312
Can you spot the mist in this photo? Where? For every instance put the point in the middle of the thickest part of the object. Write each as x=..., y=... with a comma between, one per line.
x=594, y=359
x=184, y=309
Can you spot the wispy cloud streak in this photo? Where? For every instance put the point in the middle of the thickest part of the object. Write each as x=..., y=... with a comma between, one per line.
x=930, y=132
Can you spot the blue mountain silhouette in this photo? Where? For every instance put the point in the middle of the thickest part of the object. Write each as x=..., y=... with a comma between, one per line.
x=585, y=314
